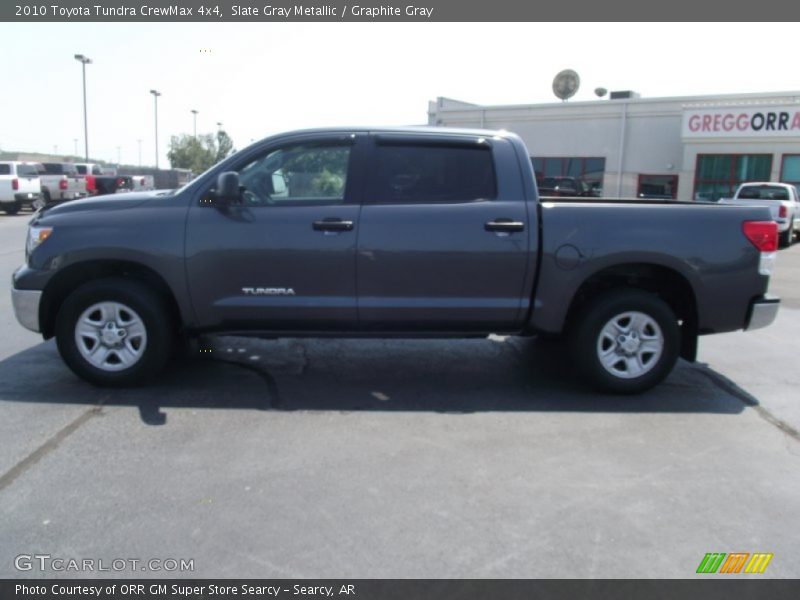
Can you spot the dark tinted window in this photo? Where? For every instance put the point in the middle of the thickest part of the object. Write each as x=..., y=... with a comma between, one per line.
x=5, y=169
x=81, y=169
x=764, y=192
x=419, y=174
x=27, y=171
x=53, y=168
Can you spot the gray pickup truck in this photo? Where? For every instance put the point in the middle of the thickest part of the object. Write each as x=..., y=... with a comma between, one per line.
x=412, y=232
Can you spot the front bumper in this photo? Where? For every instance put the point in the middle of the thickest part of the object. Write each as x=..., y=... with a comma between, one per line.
x=26, y=308
x=762, y=312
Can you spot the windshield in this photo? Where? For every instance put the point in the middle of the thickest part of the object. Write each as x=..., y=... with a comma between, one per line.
x=763, y=192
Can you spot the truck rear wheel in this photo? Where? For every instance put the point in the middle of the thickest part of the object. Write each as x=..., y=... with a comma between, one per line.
x=785, y=238
x=114, y=332
x=12, y=208
x=626, y=341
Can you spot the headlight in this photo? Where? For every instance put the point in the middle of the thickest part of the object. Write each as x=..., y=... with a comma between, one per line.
x=36, y=235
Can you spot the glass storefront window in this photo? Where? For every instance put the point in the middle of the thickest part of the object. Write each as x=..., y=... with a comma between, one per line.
x=718, y=175
x=662, y=187
x=790, y=170
x=588, y=169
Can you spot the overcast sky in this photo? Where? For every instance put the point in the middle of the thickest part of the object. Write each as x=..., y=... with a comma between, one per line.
x=261, y=78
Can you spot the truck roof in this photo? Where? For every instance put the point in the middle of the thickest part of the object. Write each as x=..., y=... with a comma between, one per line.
x=421, y=129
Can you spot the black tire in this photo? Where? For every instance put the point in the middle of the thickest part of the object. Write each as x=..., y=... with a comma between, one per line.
x=13, y=208
x=145, y=304
x=587, y=340
x=785, y=238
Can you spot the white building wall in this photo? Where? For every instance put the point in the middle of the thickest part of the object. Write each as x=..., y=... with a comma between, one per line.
x=652, y=143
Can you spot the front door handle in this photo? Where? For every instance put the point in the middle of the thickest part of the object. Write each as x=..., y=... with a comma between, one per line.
x=504, y=225
x=332, y=224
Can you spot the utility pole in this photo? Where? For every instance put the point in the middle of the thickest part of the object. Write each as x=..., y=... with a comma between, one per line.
x=84, y=60
x=156, y=94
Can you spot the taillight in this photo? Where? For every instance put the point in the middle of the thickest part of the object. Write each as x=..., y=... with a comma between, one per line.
x=90, y=187
x=15, y=184
x=782, y=212
x=762, y=234
x=62, y=185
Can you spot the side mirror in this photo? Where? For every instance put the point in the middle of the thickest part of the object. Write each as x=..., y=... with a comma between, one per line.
x=228, y=188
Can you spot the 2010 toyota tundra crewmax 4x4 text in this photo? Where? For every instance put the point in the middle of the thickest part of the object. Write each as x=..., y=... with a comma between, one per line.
x=390, y=233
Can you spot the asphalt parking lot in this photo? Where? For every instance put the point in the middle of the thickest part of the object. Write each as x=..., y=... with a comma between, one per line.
x=357, y=459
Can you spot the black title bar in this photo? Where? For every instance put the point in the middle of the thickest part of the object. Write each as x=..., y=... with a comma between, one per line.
x=281, y=11
x=710, y=588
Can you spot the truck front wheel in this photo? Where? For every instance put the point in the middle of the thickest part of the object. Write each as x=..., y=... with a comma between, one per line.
x=626, y=341
x=114, y=332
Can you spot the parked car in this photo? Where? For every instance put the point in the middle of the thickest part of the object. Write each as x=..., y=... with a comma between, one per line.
x=60, y=182
x=782, y=201
x=19, y=186
x=99, y=185
x=143, y=183
x=89, y=168
x=402, y=232
x=564, y=187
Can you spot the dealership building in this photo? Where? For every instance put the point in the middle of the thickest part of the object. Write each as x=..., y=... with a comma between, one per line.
x=692, y=147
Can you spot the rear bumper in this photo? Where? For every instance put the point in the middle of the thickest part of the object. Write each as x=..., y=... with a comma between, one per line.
x=762, y=312
x=27, y=197
x=26, y=308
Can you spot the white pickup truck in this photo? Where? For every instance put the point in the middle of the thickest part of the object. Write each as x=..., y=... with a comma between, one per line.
x=19, y=186
x=61, y=182
x=782, y=201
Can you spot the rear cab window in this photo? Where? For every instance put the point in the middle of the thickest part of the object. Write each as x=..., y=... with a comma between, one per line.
x=27, y=170
x=764, y=192
x=5, y=169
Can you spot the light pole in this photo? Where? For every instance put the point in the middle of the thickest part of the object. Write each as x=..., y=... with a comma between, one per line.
x=156, y=94
x=84, y=60
x=194, y=116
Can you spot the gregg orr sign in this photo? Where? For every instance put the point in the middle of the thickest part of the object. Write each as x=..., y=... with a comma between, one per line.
x=772, y=121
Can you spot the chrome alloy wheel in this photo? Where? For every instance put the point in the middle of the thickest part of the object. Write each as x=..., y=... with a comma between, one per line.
x=630, y=345
x=110, y=336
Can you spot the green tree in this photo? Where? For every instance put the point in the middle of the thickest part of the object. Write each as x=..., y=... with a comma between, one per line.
x=200, y=153
x=224, y=145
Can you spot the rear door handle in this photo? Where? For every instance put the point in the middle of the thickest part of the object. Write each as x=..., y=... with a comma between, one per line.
x=504, y=225
x=332, y=224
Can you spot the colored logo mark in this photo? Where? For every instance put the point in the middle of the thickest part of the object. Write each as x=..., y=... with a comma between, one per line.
x=736, y=562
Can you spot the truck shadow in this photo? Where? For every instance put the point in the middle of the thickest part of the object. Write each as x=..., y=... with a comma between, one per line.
x=446, y=376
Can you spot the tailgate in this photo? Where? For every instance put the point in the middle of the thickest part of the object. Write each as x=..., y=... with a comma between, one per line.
x=29, y=185
x=773, y=205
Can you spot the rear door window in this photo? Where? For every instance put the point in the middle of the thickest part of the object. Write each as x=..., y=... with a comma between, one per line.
x=429, y=173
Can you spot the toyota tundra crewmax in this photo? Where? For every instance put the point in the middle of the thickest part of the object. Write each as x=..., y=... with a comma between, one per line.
x=413, y=232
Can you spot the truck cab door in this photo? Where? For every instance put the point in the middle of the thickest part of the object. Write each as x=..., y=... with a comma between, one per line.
x=283, y=258
x=445, y=240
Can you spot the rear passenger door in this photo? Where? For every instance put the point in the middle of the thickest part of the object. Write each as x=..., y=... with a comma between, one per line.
x=444, y=241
